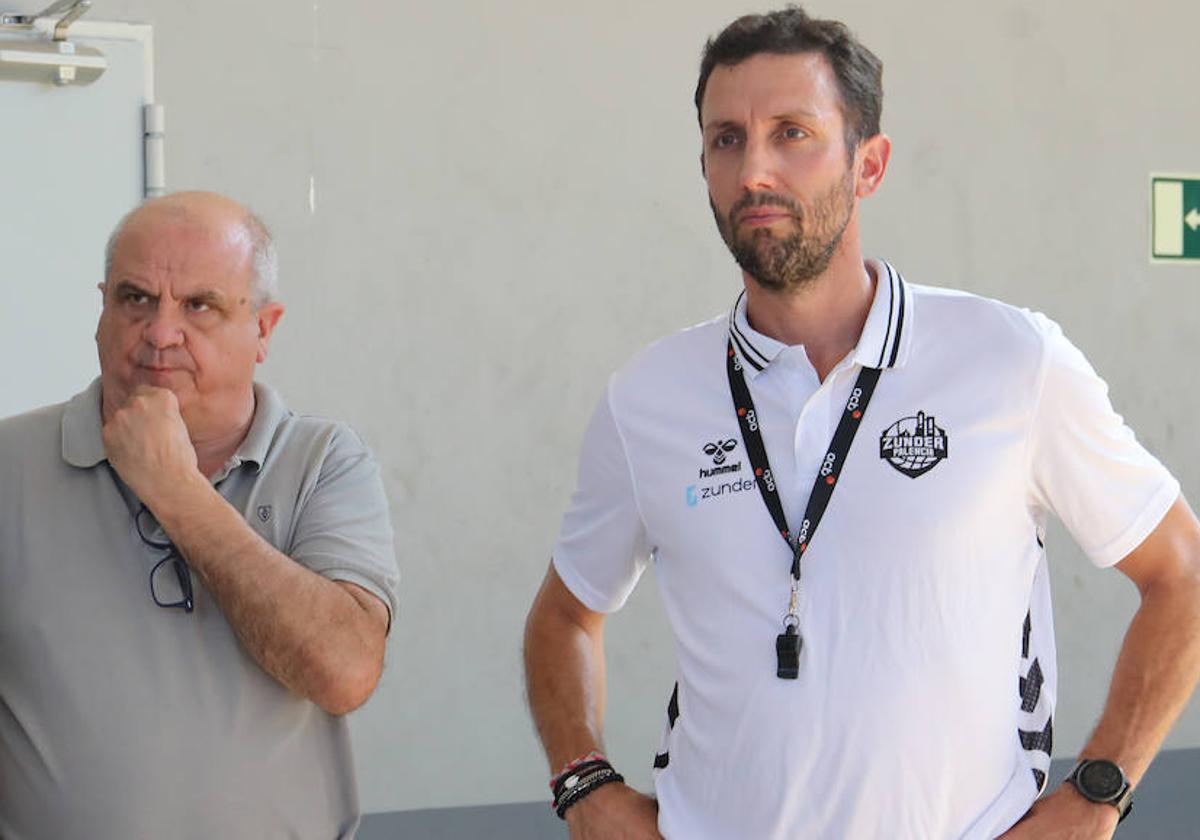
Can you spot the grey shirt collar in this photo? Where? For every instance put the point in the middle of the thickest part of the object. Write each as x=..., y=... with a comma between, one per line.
x=83, y=442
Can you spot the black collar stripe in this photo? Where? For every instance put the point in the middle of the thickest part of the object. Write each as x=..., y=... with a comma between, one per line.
x=899, y=317
x=742, y=349
x=749, y=351
x=891, y=308
x=889, y=350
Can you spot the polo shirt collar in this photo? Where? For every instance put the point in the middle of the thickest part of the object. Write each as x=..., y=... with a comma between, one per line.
x=887, y=334
x=755, y=350
x=884, y=343
x=269, y=412
x=83, y=440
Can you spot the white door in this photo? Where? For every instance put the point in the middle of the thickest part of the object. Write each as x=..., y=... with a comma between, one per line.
x=72, y=162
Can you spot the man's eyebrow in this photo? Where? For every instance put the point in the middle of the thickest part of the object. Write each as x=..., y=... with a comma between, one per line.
x=797, y=113
x=208, y=296
x=128, y=286
x=786, y=116
x=720, y=125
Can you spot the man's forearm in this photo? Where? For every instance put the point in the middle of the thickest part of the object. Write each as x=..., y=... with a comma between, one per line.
x=1155, y=675
x=309, y=633
x=565, y=681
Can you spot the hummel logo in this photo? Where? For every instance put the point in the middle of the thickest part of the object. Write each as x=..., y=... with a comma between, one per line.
x=717, y=450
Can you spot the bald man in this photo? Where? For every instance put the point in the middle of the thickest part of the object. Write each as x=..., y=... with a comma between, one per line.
x=196, y=584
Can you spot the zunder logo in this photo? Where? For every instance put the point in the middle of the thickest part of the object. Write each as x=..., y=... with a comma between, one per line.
x=914, y=445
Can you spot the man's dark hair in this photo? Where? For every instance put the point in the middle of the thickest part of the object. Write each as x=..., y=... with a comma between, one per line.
x=859, y=73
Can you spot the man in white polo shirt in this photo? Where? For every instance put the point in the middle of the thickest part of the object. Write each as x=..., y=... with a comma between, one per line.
x=195, y=583
x=844, y=483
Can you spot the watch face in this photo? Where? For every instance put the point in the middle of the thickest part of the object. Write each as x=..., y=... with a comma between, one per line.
x=1101, y=779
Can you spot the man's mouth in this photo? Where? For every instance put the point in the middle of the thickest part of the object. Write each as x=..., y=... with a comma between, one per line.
x=761, y=216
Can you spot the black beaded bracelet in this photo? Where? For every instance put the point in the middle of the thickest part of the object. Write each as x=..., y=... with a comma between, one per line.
x=577, y=786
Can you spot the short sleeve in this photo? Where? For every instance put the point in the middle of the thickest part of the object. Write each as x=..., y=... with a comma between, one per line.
x=602, y=550
x=344, y=530
x=1087, y=466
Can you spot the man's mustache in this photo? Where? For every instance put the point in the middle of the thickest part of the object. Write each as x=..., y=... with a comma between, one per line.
x=763, y=199
x=162, y=359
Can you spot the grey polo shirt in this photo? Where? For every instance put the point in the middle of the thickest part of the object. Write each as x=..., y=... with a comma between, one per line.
x=121, y=719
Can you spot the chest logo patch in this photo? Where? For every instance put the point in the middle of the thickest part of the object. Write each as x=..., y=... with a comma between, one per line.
x=914, y=445
x=264, y=513
x=721, y=478
x=719, y=452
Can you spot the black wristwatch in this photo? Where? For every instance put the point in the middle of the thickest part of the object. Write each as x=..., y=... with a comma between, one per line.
x=1103, y=781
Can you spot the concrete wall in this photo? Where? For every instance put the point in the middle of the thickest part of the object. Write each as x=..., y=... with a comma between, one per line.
x=483, y=208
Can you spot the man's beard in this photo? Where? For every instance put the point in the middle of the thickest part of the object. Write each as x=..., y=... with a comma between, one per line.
x=789, y=262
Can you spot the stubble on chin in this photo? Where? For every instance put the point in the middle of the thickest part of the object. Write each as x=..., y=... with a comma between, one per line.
x=791, y=261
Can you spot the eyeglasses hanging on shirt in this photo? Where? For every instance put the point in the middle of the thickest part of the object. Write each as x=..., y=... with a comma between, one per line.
x=170, y=585
x=166, y=592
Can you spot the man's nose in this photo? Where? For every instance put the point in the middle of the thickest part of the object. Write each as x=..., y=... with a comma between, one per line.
x=164, y=328
x=757, y=171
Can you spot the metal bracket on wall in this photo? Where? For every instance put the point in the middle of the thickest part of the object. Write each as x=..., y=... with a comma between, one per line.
x=59, y=62
x=71, y=11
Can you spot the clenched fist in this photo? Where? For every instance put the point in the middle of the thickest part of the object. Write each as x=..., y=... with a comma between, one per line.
x=148, y=445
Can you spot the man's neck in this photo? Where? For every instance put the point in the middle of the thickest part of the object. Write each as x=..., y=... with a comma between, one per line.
x=214, y=446
x=826, y=315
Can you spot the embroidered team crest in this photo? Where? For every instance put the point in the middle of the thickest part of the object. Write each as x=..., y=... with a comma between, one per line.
x=914, y=445
x=264, y=513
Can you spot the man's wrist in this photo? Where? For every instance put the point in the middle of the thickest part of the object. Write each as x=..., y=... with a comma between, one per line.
x=581, y=778
x=1103, y=783
x=182, y=500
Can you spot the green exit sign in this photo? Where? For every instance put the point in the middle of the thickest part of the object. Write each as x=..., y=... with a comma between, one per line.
x=1175, y=218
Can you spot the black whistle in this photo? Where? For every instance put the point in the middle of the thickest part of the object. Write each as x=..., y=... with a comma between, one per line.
x=787, y=648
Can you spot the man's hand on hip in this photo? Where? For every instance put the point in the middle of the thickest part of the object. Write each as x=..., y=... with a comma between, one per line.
x=148, y=445
x=1065, y=815
x=614, y=812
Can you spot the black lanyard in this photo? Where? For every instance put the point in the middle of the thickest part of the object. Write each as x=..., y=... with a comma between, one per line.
x=788, y=643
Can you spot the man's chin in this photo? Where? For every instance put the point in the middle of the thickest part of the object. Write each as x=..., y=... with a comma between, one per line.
x=173, y=379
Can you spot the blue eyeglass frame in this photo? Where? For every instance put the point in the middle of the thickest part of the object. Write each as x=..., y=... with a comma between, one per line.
x=182, y=572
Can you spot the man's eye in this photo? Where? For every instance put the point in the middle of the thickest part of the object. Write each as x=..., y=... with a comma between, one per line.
x=198, y=306
x=724, y=141
x=136, y=298
x=794, y=133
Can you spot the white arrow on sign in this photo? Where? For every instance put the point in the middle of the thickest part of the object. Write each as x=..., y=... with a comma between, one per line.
x=1192, y=219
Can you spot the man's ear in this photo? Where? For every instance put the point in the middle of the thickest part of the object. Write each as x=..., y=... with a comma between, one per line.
x=268, y=316
x=871, y=162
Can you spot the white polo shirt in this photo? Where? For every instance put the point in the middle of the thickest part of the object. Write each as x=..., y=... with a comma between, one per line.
x=927, y=679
